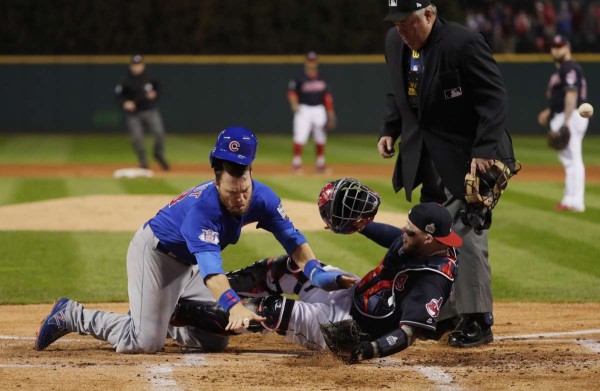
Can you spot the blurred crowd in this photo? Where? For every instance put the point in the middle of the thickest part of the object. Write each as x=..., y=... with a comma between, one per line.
x=528, y=26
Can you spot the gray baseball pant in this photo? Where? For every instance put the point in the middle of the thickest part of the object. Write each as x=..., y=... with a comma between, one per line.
x=155, y=283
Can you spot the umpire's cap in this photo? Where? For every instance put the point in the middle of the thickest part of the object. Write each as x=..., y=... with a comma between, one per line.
x=235, y=144
x=401, y=9
x=434, y=219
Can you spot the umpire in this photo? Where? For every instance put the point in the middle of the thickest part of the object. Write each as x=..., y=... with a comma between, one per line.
x=137, y=93
x=446, y=104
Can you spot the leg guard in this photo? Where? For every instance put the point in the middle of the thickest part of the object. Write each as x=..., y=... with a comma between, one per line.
x=205, y=315
x=270, y=276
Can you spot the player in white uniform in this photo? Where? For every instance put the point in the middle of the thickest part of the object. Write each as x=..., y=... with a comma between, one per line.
x=312, y=104
x=567, y=90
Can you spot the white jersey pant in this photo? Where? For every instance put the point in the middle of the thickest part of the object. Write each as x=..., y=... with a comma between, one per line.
x=314, y=307
x=310, y=119
x=155, y=283
x=572, y=160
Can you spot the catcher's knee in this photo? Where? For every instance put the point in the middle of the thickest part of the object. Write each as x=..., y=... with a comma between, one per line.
x=277, y=311
x=275, y=275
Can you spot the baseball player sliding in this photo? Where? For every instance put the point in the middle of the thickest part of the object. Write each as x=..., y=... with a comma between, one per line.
x=312, y=104
x=388, y=308
x=177, y=255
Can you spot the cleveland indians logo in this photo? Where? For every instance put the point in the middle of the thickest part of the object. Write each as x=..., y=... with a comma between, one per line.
x=433, y=307
x=234, y=146
x=400, y=282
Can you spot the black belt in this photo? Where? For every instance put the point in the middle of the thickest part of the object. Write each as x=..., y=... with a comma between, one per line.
x=162, y=249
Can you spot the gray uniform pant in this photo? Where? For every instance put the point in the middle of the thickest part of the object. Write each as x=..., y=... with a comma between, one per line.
x=152, y=120
x=155, y=283
x=472, y=291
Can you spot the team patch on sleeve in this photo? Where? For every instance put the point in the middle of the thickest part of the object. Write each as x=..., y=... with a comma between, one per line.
x=281, y=211
x=209, y=236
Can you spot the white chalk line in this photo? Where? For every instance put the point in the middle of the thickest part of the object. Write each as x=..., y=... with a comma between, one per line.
x=547, y=335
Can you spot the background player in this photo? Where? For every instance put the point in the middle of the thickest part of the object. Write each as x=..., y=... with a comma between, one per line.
x=138, y=93
x=394, y=303
x=312, y=104
x=567, y=89
x=177, y=254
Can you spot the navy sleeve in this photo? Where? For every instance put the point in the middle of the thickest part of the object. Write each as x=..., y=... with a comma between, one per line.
x=382, y=234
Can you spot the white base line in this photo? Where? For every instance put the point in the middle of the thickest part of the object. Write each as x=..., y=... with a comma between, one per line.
x=544, y=335
x=441, y=379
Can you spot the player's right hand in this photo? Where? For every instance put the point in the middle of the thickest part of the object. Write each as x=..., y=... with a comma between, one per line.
x=385, y=147
x=240, y=316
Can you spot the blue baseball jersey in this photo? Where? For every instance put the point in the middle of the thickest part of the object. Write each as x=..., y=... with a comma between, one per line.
x=195, y=226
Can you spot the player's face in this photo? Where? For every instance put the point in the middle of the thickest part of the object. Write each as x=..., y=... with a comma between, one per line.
x=235, y=193
x=415, y=29
x=137, y=69
x=414, y=239
x=311, y=68
x=560, y=53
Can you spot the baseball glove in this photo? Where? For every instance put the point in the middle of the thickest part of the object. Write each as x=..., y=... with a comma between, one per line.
x=346, y=205
x=483, y=190
x=559, y=140
x=343, y=338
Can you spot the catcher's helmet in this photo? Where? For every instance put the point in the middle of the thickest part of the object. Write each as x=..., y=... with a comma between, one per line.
x=235, y=144
x=346, y=205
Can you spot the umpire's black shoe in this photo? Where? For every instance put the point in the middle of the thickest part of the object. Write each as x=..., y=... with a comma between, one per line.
x=470, y=333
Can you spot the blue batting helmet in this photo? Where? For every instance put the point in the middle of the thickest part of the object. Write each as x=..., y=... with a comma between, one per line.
x=235, y=144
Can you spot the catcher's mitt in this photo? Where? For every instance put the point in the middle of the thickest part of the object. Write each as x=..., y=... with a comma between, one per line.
x=559, y=140
x=343, y=338
x=346, y=205
x=483, y=190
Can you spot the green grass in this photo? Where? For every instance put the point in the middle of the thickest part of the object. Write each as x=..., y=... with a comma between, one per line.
x=74, y=148
x=536, y=254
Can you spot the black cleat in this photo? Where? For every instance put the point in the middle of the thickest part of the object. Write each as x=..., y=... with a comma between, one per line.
x=470, y=333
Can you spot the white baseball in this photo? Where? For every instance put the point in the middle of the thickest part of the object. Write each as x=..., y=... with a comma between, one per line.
x=586, y=110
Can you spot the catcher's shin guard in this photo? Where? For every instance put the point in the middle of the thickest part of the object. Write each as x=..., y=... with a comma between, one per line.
x=276, y=309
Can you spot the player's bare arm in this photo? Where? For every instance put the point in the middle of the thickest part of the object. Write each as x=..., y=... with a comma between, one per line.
x=239, y=316
x=570, y=103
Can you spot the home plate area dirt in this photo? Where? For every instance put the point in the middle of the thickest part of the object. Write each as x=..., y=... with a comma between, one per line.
x=538, y=347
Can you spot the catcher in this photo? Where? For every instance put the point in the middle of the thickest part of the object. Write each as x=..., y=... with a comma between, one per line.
x=382, y=314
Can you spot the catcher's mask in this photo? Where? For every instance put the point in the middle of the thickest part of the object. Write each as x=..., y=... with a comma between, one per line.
x=346, y=205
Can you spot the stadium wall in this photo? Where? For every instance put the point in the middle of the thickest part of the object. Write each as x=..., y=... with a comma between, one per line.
x=204, y=93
